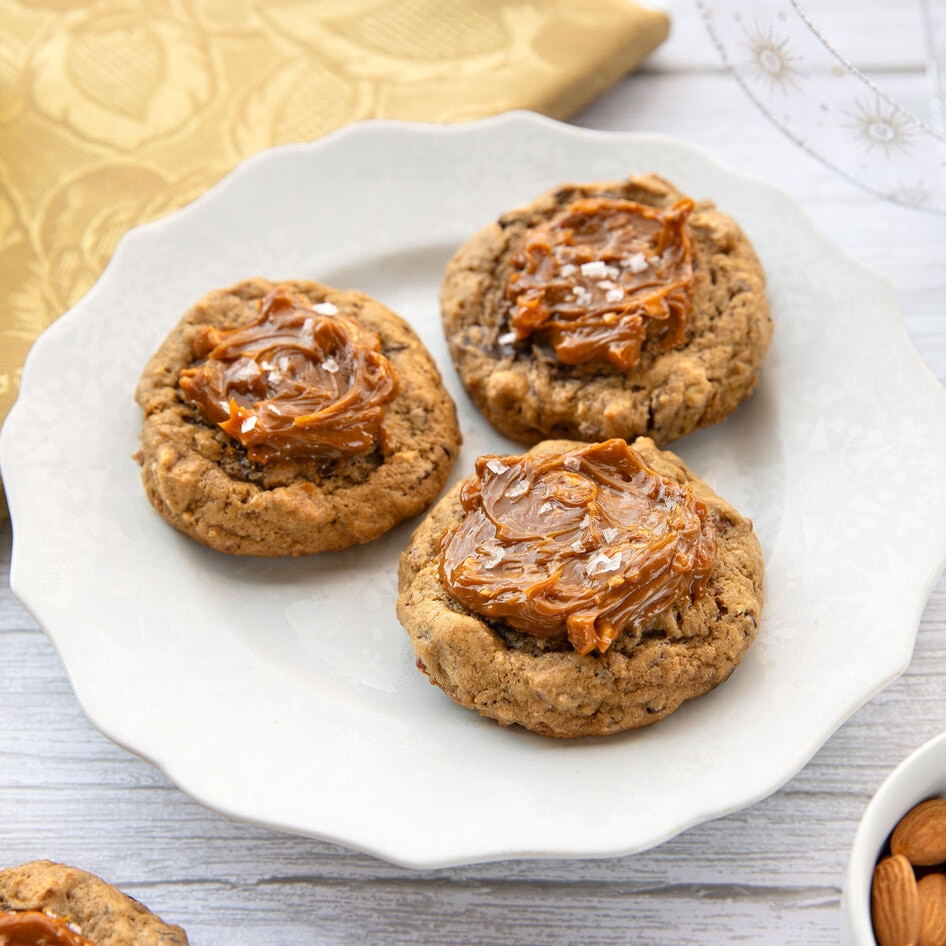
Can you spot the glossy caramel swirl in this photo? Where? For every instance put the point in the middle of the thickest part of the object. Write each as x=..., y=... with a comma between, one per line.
x=601, y=277
x=579, y=545
x=32, y=928
x=299, y=381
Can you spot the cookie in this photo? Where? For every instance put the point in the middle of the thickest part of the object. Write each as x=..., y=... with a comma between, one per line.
x=75, y=908
x=581, y=589
x=607, y=310
x=291, y=419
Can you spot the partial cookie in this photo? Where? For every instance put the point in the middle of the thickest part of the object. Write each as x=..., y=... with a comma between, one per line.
x=582, y=589
x=76, y=908
x=292, y=418
x=607, y=310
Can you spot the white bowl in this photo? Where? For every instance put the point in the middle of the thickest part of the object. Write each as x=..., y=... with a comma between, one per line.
x=919, y=776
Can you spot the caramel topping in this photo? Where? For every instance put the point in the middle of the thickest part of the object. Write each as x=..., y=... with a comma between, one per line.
x=32, y=928
x=580, y=545
x=603, y=276
x=299, y=381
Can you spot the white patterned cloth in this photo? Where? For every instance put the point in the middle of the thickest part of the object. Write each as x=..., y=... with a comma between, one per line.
x=828, y=107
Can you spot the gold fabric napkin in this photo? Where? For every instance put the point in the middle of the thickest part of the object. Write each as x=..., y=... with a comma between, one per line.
x=115, y=112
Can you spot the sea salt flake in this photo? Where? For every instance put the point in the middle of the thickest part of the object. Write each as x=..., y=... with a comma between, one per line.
x=546, y=508
x=596, y=268
x=636, y=263
x=610, y=534
x=325, y=308
x=601, y=563
x=248, y=424
x=568, y=269
x=572, y=463
x=614, y=295
x=494, y=555
x=519, y=488
x=248, y=370
x=330, y=365
x=308, y=332
x=496, y=466
x=507, y=338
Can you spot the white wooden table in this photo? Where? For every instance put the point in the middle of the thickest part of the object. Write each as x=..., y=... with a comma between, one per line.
x=771, y=874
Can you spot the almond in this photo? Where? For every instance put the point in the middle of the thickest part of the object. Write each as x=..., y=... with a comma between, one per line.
x=920, y=835
x=895, y=903
x=932, y=891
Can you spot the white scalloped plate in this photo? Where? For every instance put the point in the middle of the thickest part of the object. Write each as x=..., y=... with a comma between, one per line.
x=284, y=692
